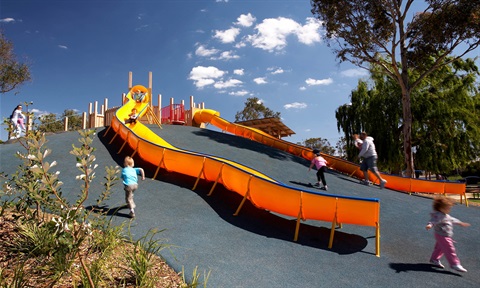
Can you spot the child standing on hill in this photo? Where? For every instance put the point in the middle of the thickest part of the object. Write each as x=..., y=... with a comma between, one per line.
x=130, y=182
x=17, y=118
x=321, y=165
x=443, y=223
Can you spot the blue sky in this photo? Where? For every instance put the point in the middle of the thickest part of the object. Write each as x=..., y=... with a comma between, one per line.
x=219, y=51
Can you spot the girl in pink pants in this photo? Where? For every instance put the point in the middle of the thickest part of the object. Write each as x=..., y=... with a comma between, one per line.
x=443, y=223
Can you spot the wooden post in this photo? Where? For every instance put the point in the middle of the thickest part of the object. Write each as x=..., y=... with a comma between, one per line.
x=129, y=80
x=65, y=124
x=84, y=120
x=150, y=87
x=105, y=105
x=159, y=107
x=95, y=113
x=171, y=110
x=90, y=112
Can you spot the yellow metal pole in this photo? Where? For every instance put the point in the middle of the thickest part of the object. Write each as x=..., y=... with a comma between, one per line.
x=299, y=217
x=334, y=224
x=135, y=152
x=377, y=240
x=199, y=174
x=126, y=140
x=106, y=132
x=332, y=232
x=297, y=225
x=216, y=180
x=160, y=164
x=113, y=138
x=244, y=197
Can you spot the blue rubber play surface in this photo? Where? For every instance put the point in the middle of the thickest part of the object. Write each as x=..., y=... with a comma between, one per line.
x=256, y=248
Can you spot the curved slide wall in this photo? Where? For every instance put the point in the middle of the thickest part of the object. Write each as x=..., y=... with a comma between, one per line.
x=261, y=190
x=394, y=182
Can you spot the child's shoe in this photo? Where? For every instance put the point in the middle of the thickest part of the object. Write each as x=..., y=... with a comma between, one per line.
x=459, y=268
x=382, y=184
x=437, y=263
x=131, y=214
x=324, y=188
x=364, y=182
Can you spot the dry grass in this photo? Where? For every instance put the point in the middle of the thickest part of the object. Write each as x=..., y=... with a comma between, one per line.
x=36, y=272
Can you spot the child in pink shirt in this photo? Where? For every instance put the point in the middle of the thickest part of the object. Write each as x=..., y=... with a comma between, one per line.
x=321, y=165
x=442, y=223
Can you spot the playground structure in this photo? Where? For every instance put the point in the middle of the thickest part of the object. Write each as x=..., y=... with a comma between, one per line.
x=177, y=114
x=101, y=116
x=261, y=190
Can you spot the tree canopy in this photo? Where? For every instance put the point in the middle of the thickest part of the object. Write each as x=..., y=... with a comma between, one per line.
x=396, y=40
x=446, y=125
x=52, y=123
x=319, y=143
x=12, y=72
x=255, y=109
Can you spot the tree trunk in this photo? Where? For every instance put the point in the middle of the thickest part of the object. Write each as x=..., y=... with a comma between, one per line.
x=407, y=132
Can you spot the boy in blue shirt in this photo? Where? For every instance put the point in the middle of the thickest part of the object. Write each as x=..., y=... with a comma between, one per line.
x=130, y=182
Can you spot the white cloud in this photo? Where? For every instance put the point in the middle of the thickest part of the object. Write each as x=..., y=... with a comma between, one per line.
x=39, y=112
x=239, y=72
x=272, y=33
x=239, y=93
x=314, y=82
x=227, y=55
x=63, y=47
x=308, y=34
x=357, y=72
x=204, y=52
x=144, y=26
x=203, y=76
x=295, y=105
x=278, y=71
x=227, y=36
x=7, y=20
x=228, y=84
x=246, y=20
x=260, y=80
x=226, y=1
x=303, y=88
x=240, y=44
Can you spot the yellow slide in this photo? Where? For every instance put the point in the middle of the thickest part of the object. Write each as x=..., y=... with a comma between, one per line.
x=260, y=189
x=341, y=165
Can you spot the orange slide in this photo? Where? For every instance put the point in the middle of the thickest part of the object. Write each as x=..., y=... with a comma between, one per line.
x=260, y=189
x=394, y=182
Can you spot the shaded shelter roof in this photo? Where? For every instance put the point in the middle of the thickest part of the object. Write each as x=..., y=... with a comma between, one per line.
x=272, y=126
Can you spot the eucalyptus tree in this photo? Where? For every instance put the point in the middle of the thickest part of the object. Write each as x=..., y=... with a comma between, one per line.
x=446, y=126
x=74, y=119
x=319, y=143
x=255, y=109
x=12, y=72
x=53, y=123
x=445, y=113
x=377, y=111
x=398, y=38
x=49, y=123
